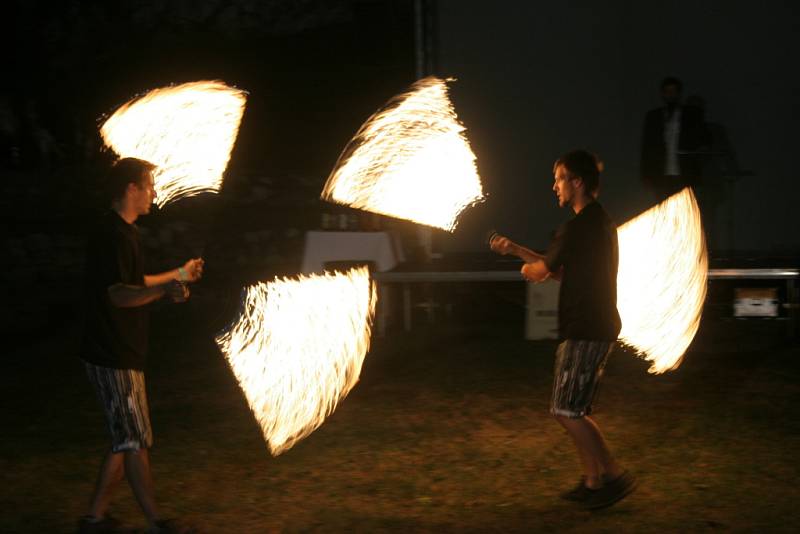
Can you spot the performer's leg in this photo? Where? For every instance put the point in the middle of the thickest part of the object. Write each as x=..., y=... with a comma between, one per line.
x=137, y=469
x=592, y=448
x=590, y=467
x=111, y=473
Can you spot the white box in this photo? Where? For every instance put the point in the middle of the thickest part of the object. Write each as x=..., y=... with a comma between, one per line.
x=541, y=313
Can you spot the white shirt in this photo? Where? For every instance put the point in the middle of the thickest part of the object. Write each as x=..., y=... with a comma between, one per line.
x=672, y=132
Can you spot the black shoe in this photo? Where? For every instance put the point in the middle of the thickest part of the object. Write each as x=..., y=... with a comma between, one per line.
x=91, y=525
x=579, y=493
x=612, y=491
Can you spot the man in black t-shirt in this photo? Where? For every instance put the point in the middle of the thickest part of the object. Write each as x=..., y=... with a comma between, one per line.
x=584, y=257
x=115, y=339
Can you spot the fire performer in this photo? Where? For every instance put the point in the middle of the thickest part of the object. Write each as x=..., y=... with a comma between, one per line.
x=584, y=257
x=115, y=341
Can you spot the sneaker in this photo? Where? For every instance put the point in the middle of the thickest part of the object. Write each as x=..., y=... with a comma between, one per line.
x=579, y=493
x=88, y=524
x=612, y=491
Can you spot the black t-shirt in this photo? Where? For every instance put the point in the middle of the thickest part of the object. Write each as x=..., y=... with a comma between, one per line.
x=587, y=248
x=114, y=337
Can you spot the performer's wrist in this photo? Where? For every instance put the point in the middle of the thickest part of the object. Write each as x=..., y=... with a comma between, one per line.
x=182, y=275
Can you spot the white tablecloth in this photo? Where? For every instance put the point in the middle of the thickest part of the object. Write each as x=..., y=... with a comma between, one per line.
x=378, y=247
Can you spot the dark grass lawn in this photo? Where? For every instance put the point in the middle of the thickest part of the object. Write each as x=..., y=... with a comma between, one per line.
x=447, y=431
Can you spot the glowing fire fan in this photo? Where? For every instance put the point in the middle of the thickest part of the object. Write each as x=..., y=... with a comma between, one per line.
x=187, y=130
x=410, y=160
x=661, y=285
x=297, y=349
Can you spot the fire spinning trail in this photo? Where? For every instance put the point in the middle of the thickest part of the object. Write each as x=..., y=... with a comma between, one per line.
x=298, y=347
x=187, y=130
x=661, y=284
x=410, y=160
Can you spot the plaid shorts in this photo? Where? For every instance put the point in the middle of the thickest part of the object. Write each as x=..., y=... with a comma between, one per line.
x=122, y=394
x=579, y=366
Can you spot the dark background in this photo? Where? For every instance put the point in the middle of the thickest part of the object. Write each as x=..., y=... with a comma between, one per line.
x=314, y=72
x=533, y=80
x=539, y=78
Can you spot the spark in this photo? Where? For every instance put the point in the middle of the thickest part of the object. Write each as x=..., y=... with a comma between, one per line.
x=187, y=130
x=297, y=349
x=410, y=160
x=661, y=283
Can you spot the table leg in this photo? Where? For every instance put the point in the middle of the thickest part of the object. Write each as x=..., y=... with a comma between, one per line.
x=792, y=300
x=383, y=308
x=407, y=307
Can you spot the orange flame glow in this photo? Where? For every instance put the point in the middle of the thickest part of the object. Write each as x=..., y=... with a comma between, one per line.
x=410, y=160
x=661, y=285
x=187, y=130
x=298, y=347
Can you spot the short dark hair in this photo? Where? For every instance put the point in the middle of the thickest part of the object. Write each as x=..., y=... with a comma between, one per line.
x=127, y=171
x=584, y=165
x=672, y=80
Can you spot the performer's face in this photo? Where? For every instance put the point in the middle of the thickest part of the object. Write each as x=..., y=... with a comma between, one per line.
x=145, y=194
x=564, y=186
x=671, y=94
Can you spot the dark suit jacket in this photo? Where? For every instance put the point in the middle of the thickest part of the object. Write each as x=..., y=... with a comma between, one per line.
x=693, y=135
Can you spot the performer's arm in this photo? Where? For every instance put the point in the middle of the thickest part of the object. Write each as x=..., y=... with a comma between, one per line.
x=192, y=271
x=503, y=245
x=131, y=296
x=535, y=268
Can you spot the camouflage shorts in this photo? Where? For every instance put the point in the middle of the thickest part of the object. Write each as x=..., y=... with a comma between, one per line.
x=122, y=395
x=579, y=366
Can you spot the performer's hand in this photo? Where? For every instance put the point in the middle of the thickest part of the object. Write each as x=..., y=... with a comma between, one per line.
x=501, y=244
x=529, y=274
x=177, y=291
x=524, y=272
x=192, y=271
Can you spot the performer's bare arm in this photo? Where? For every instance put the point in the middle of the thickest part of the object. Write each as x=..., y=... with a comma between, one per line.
x=192, y=271
x=130, y=296
x=535, y=269
x=503, y=245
